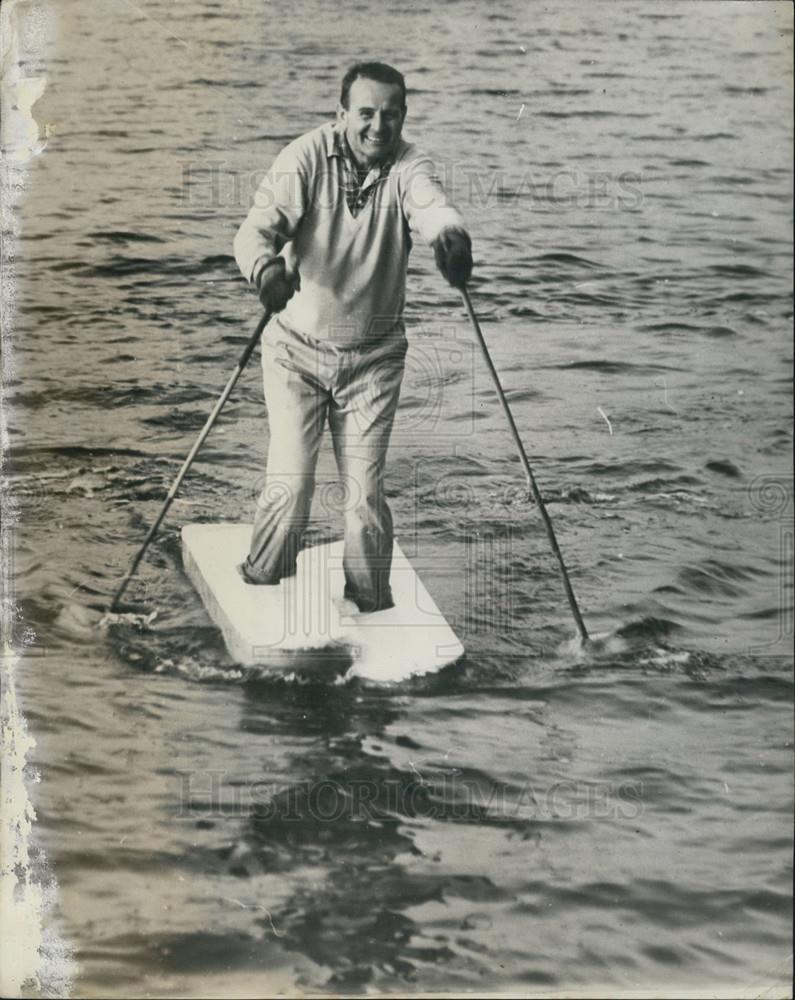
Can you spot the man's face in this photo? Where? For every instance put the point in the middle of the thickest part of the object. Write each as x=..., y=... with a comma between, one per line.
x=373, y=120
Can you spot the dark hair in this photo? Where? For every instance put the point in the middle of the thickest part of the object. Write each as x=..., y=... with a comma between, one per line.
x=377, y=71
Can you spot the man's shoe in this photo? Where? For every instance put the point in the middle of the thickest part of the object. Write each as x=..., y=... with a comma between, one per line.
x=346, y=608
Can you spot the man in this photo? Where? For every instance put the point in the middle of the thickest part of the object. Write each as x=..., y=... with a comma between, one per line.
x=326, y=245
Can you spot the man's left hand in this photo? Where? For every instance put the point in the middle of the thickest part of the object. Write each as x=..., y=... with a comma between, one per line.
x=453, y=252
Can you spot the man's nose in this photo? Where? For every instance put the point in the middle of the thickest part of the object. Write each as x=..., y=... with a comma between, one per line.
x=378, y=122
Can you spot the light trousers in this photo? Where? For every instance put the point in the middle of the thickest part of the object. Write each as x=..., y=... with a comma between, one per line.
x=309, y=383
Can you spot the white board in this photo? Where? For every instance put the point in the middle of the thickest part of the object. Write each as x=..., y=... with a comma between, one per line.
x=297, y=624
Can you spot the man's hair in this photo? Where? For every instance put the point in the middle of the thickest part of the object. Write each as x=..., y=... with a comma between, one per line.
x=377, y=71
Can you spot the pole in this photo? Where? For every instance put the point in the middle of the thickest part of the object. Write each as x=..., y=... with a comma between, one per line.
x=526, y=465
x=244, y=357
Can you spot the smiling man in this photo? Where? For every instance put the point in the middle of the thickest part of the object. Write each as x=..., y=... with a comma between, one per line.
x=326, y=245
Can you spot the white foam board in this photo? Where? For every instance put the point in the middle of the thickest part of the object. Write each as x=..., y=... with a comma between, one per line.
x=298, y=623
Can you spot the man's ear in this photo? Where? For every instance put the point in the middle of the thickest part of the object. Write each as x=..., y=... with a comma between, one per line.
x=341, y=114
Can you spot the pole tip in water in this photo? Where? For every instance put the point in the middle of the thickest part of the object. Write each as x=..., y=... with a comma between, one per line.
x=603, y=644
x=130, y=619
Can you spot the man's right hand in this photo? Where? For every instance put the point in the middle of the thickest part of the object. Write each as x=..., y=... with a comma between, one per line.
x=275, y=286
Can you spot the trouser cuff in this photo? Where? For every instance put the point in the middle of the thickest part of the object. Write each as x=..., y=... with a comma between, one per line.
x=250, y=575
x=368, y=603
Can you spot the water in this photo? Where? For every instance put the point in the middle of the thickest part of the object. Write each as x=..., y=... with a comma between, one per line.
x=527, y=820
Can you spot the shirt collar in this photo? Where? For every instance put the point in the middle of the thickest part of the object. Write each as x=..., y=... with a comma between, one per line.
x=338, y=146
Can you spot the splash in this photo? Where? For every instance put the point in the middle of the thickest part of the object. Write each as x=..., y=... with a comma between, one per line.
x=644, y=637
x=81, y=621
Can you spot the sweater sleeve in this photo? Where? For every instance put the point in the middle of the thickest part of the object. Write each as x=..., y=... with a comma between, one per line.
x=425, y=202
x=276, y=213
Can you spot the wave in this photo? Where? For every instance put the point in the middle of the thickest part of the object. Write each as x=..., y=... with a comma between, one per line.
x=592, y=114
x=123, y=236
x=739, y=270
x=611, y=367
x=715, y=578
x=724, y=468
x=122, y=266
x=566, y=258
x=715, y=332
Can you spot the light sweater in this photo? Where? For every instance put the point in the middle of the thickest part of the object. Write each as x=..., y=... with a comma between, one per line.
x=352, y=269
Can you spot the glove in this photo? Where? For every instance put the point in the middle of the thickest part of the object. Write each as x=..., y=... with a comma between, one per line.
x=453, y=251
x=274, y=286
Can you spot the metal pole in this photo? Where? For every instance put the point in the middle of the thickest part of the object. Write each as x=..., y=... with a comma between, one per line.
x=526, y=465
x=244, y=357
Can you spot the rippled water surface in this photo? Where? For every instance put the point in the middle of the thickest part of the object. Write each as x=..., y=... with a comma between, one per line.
x=526, y=820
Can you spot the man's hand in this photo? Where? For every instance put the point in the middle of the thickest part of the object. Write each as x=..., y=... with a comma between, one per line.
x=275, y=287
x=453, y=251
